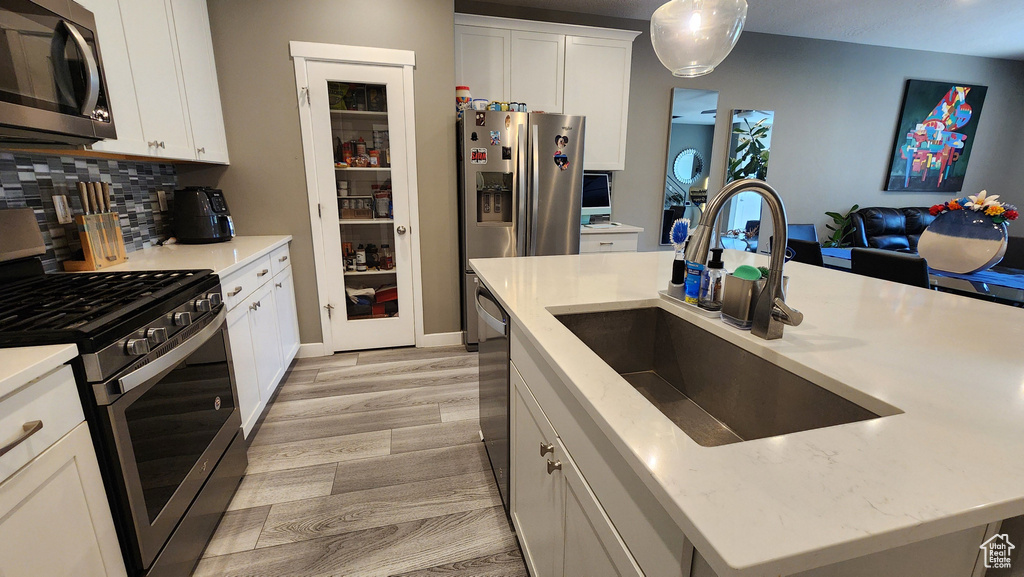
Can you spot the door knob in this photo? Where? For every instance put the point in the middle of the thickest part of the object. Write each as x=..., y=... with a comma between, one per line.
x=400, y=230
x=554, y=466
x=546, y=448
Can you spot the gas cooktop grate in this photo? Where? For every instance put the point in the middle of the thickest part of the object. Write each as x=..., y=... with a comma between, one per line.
x=84, y=302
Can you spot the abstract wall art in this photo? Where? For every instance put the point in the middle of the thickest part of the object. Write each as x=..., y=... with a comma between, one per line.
x=935, y=135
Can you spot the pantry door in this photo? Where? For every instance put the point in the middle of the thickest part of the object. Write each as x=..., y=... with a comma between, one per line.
x=359, y=114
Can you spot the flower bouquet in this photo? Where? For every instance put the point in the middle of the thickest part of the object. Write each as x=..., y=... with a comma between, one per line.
x=983, y=203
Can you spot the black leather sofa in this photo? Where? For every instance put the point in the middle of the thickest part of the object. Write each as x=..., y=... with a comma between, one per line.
x=890, y=228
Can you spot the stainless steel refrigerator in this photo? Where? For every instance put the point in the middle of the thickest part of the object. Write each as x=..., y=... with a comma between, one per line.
x=520, y=191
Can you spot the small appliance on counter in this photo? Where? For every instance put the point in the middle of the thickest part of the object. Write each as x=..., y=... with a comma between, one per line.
x=201, y=216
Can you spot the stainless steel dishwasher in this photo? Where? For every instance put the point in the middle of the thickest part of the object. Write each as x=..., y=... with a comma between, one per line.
x=493, y=323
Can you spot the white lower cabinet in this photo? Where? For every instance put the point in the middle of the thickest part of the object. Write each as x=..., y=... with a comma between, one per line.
x=263, y=329
x=287, y=316
x=244, y=362
x=54, y=517
x=562, y=528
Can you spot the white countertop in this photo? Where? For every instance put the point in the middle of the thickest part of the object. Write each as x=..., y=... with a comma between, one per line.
x=21, y=365
x=953, y=459
x=616, y=228
x=223, y=257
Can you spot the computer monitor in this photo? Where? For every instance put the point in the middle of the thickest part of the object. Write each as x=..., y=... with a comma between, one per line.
x=597, y=196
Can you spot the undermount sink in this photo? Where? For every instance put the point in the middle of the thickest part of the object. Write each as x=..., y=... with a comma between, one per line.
x=715, y=391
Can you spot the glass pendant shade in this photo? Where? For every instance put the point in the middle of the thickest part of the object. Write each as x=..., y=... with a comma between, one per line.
x=692, y=37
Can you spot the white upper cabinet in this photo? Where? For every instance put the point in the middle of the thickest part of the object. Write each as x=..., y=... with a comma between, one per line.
x=483, y=61
x=195, y=49
x=538, y=69
x=151, y=50
x=158, y=62
x=124, y=103
x=597, y=86
x=550, y=67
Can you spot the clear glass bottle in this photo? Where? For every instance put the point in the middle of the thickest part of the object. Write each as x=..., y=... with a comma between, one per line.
x=712, y=282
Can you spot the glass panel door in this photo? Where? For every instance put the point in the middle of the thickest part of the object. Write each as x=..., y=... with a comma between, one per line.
x=362, y=164
x=363, y=180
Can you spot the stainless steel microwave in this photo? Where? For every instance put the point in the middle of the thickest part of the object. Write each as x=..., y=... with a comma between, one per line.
x=52, y=89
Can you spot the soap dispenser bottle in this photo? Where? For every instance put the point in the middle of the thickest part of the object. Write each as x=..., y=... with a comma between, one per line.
x=712, y=282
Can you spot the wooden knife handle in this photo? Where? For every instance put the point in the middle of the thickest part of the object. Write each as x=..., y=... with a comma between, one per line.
x=97, y=203
x=83, y=192
x=108, y=197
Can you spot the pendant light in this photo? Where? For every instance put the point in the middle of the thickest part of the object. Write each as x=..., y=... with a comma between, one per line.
x=692, y=37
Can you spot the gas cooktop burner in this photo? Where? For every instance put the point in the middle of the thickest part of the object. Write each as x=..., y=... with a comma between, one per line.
x=67, y=307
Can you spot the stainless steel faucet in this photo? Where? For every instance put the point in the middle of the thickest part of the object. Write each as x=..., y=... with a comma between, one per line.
x=771, y=312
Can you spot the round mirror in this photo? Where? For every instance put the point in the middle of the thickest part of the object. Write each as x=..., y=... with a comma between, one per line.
x=688, y=166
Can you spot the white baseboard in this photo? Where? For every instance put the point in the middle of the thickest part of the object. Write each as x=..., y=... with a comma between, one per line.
x=307, y=350
x=441, y=339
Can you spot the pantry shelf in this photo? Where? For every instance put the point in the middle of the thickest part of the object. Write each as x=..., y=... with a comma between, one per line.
x=366, y=220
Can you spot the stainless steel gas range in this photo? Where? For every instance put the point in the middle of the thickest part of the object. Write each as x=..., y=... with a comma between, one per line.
x=157, y=385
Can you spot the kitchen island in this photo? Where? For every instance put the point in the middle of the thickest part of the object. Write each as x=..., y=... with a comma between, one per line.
x=917, y=489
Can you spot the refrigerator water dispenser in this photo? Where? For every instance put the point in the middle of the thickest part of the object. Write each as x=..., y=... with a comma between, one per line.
x=494, y=198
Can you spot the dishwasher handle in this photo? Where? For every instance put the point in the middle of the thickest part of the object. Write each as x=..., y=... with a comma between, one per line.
x=499, y=325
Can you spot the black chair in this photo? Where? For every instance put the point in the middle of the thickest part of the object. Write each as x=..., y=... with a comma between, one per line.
x=890, y=265
x=1014, y=257
x=806, y=251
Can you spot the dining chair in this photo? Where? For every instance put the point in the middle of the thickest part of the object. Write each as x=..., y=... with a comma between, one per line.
x=803, y=232
x=806, y=251
x=1014, y=257
x=890, y=265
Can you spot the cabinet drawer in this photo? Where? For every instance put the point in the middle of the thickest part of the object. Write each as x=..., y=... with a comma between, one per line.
x=239, y=285
x=608, y=243
x=280, y=259
x=51, y=400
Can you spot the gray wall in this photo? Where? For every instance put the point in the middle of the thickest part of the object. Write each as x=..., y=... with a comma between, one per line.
x=266, y=185
x=836, y=109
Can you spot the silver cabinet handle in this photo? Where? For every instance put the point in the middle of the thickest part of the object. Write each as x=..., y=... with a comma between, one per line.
x=201, y=150
x=278, y=285
x=283, y=258
x=162, y=145
x=400, y=230
x=27, y=430
x=235, y=292
x=607, y=243
x=546, y=448
x=554, y=466
x=153, y=144
x=262, y=273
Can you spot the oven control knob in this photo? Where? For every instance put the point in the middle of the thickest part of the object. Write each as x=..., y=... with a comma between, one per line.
x=215, y=299
x=182, y=319
x=202, y=305
x=137, y=346
x=156, y=335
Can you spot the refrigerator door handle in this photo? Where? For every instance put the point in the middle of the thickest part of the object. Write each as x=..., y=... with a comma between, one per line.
x=535, y=187
x=521, y=191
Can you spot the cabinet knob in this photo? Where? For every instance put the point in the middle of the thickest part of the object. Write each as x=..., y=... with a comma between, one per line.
x=400, y=230
x=546, y=448
x=283, y=258
x=201, y=150
x=278, y=285
x=153, y=144
x=262, y=273
x=162, y=145
x=235, y=292
x=554, y=466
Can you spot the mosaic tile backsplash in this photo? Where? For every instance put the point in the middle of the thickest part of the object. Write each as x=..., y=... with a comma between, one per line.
x=31, y=180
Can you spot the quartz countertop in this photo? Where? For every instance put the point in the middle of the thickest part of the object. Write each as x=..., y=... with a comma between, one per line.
x=223, y=257
x=21, y=365
x=950, y=366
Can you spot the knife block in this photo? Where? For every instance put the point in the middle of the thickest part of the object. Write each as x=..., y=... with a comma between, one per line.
x=102, y=242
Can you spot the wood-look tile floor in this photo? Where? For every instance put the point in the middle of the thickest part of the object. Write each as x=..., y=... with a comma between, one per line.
x=369, y=464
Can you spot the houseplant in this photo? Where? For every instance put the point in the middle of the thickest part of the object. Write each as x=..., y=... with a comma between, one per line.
x=751, y=159
x=968, y=234
x=842, y=230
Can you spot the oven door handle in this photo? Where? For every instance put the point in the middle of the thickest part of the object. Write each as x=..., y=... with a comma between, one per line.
x=172, y=358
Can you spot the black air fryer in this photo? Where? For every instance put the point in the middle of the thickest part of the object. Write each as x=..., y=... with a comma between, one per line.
x=201, y=216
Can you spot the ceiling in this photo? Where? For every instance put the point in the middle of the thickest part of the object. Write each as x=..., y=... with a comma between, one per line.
x=975, y=27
